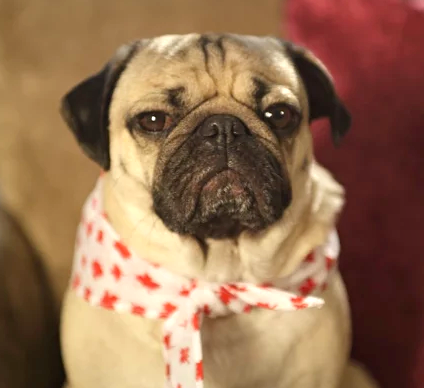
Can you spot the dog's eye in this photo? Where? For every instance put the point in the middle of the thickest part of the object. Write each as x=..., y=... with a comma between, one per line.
x=281, y=116
x=154, y=121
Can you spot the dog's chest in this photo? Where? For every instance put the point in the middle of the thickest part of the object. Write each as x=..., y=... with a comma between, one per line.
x=252, y=351
x=271, y=349
x=266, y=349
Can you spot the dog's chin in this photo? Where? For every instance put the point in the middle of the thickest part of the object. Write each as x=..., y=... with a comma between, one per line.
x=226, y=205
x=225, y=208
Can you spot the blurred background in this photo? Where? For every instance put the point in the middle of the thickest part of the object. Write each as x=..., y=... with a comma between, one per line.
x=373, y=49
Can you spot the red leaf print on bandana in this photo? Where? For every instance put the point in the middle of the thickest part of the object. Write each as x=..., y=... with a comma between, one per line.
x=99, y=237
x=266, y=306
x=329, y=263
x=184, y=355
x=207, y=310
x=167, y=341
x=122, y=250
x=299, y=303
x=195, y=321
x=225, y=296
x=108, y=301
x=89, y=228
x=237, y=287
x=83, y=261
x=87, y=293
x=167, y=310
x=247, y=309
x=138, y=310
x=307, y=286
x=76, y=281
x=168, y=371
x=97, y=269
x=185, y=291
x=146, y=281
x=310, y=258
x=199, y=371
x=116, y=272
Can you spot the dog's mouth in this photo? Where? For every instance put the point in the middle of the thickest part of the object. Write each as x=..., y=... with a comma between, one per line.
x=221, y=203
x=226, y=205
x=226, y=180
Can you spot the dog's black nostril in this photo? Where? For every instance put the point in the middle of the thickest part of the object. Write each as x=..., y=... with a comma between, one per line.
x=210, y=130
x=239, y=129
x=223, y=127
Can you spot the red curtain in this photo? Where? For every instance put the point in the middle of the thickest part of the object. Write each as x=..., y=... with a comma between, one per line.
x=375, y=50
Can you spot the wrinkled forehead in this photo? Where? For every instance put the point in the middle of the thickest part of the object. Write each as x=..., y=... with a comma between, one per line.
x=209, y=65
x=175, y=55
x=210, y=44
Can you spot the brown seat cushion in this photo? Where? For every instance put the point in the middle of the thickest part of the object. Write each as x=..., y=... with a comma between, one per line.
x=29, y=341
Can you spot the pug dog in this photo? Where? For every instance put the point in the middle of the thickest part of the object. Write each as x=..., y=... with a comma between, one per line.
x=209, y=172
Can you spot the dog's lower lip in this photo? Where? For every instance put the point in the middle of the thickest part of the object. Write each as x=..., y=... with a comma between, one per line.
x=201, y=184
x=233, y=179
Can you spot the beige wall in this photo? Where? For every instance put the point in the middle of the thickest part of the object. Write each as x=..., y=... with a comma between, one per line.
x=45, y=48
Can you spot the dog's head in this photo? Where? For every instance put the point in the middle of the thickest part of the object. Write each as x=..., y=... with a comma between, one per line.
x=215, y=126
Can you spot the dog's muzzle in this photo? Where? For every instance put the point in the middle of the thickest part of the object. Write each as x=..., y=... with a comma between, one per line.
x=222, y=180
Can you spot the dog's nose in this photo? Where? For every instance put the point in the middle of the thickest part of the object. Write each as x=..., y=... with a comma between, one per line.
x=223, y=128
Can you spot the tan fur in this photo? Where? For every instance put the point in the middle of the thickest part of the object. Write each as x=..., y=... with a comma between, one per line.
x=265, y=349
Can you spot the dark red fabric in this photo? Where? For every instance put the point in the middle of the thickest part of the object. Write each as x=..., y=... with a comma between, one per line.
x=375, y=50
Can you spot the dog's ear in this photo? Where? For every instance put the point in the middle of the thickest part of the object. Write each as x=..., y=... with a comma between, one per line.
x=323, y=99
x=85, y=108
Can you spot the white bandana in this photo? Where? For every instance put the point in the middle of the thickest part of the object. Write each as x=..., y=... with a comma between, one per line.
x=108, y=274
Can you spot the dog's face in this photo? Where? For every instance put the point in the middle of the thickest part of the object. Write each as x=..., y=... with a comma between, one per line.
x=216, y=127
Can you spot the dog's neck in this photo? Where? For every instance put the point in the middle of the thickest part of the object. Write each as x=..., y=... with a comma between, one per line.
x=273, y=253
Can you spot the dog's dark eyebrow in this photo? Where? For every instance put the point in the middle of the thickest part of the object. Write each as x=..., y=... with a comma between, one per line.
x=204, y=41
x=175, y=96
x=260, y=91
x=221, y=47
